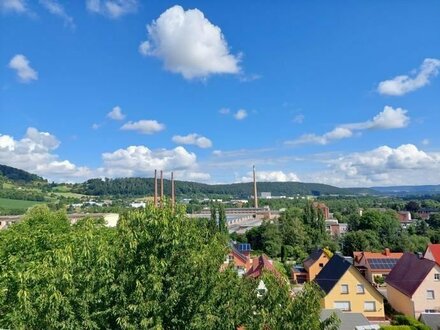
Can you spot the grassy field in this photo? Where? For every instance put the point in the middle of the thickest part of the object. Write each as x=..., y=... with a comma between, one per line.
x=16, y=204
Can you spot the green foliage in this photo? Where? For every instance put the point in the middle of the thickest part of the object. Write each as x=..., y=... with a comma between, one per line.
x=434, y=221
x=407, y=322
x=142, y=186
x=17, y=175
x=361, y=240
x=156, y=270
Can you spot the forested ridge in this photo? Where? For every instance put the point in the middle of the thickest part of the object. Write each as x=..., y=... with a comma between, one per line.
x=144, y=186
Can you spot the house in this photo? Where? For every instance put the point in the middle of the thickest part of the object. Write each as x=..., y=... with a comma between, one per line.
x=239, y=257
x=404, y=218
x=375, y=264
x=432, y=320
x=413, y=286
x=346, y=289
x=334, y=228
x=324, y=209
x=433, y=253
x=349, y=321
x=260, y=264
x=312, y=266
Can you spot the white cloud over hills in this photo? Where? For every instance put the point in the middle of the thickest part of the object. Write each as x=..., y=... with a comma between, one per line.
x=404, y=84
x=271, y=176
x=189, y=44
x=35, y=153
x=389, y=118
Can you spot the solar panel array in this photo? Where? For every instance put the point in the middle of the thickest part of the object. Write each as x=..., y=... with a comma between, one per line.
x=382, y=263
x=242, y=247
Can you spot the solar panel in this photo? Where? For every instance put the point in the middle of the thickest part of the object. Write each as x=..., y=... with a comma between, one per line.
x=244, y=247
x=382, y=263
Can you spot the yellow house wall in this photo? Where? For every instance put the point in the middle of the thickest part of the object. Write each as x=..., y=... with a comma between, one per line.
x=400, y=302
x=314, y=269
x=352, y=277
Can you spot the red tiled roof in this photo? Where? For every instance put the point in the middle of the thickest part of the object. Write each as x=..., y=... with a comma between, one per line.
x=409, y=273
x=435, y=250
x=259, y=264
x=359, y=255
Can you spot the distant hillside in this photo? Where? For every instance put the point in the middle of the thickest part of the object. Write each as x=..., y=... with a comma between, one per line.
x=142, y=186
x=19, y=176
x=409, y=190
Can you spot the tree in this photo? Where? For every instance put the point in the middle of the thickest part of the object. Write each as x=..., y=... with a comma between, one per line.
x=158, y=269
x=366, y=240
x=222, y=221
x=434, y=221
x=412, y=206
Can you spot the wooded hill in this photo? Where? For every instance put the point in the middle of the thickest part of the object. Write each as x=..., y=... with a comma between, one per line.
x=19, y=176
x=145, y=186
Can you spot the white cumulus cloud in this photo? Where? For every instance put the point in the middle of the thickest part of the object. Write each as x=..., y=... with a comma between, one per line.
x=189, y=44
x=144, y=126
x=240, y=114
x=271, y=176
x=24, y=71
x=403, y=84
x=112, y=8
x=116, y=113
x=140, y=160
x=194, y=139
x=403, y=165
x=389, y=118
x=35, y=153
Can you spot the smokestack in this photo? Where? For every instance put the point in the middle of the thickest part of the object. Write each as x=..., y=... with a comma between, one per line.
x=155, y=188
x=173, y=193
x=161, y=188
x=255, y=190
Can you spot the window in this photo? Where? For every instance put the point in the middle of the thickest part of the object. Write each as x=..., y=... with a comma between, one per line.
x=430, y=311
x=344, y=288
x=342, y=305
x=430, y=294
x=437, y=277
x=369, y=306
x=360, y=288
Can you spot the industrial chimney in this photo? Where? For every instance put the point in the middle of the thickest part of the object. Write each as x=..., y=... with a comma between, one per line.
x=161, y=189
x=255, y=190
x=173, y=193
x=155, y=188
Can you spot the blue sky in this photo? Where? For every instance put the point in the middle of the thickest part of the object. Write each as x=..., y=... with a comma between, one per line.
x=338, y=92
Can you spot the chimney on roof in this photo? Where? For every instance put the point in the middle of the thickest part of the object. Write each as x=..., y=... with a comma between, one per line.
x=387, y=252
x=255, y=190
x=155, y=188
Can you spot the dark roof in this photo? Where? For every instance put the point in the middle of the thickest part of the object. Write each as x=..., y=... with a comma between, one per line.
x=332, y=272
x=409, y=273
x=349, y=321
x=311, y=259
x=432, y=320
